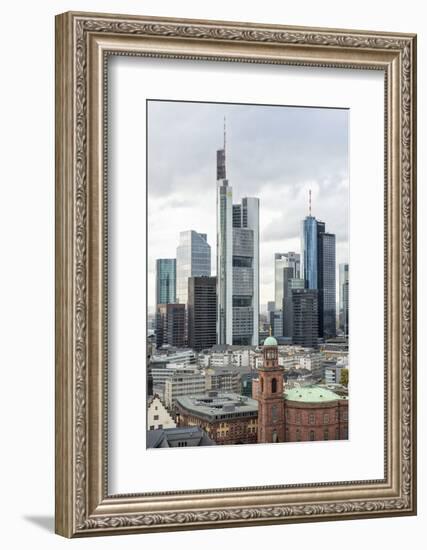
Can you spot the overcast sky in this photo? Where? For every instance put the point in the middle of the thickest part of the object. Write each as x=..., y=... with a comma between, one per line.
x=274, y=153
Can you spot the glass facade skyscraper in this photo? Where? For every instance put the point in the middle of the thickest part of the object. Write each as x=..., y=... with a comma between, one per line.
x=224, y=252
x=193, y=259
x=246, y=272
x=165, y=281
x=201, y=312
x=281, y=261
x=343, y=297
x=305, y=330
x=237, y=263
x=319, y=271
x=327, y=285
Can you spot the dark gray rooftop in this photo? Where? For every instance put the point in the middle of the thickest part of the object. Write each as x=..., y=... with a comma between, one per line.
x=172, y=437
x=216, y=406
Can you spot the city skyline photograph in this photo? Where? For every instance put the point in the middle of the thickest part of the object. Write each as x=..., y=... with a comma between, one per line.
x=248, y=274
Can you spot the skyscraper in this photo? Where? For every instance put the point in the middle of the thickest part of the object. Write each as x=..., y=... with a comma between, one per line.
x=193, y=259
x=327, y=285
x=318, y=270
x=284, y=260
x=288, y=312
x=343, y=297
x=170, y=325
x=305, y=317
x=224, y=251
x=246, y=272
x=201, y=312
x=310, y=231
x=237, y=263
x=165, y=281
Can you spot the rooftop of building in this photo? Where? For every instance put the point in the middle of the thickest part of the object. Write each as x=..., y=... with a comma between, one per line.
x=216, y=406
x=270, y=341
x=169, y=437
x=313, y=394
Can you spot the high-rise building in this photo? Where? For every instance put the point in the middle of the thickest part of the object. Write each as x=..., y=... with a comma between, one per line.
x=246, y=272
x=310, y=232
x=318, y=270
x=165, y=281
x=327, y=285
x=237, y=263
x=170, y=325
x=224, y=251
x=305, y=317
x=292, y=263
x=271, y=306
x=288, y=312
x=343, y=297
x=201, y=312
x=193, y=259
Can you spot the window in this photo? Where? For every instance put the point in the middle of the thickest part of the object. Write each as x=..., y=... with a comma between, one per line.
x=326, y=434
x=298, y=435
x=151, y=427
x=274, y=414
x=312, y=436
x=326, y=418
x=273, y=385
x=160, y=426
x=311, y=419
x=262, y=384
x=298, y=418
x=337, y=433
x=156, y=417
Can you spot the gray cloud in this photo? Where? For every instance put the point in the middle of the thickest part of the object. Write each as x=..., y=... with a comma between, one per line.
x=274, y=153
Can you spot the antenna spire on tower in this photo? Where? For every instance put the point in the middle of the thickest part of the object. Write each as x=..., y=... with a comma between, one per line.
x=225, y=132
x=309, y=202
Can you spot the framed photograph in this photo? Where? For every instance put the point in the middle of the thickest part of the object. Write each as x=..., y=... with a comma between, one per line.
x=235, y=274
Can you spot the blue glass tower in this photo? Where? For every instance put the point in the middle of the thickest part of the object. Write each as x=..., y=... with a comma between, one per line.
x=310, y=232
x=318, y=270
x=165, y=281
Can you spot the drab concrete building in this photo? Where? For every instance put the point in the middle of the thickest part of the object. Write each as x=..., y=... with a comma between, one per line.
x=180, y=384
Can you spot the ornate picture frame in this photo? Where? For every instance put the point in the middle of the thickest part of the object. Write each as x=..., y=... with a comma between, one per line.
x=83, y=43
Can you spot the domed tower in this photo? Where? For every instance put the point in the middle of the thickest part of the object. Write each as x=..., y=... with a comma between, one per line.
x=271, y=409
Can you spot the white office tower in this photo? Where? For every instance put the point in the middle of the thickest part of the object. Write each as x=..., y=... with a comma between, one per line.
x=193, y=259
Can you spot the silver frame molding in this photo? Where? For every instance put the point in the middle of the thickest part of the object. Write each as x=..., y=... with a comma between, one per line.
x=83, y=43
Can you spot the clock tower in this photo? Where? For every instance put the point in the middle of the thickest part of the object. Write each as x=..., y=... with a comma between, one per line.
x=271, y=409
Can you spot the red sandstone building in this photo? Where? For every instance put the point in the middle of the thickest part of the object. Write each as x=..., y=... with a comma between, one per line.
x=311, y=413
x=273, y=415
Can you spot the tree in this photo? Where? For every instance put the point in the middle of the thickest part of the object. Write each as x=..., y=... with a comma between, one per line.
x=344, y=377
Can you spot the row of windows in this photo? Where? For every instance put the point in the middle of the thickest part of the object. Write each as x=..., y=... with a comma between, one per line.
x=312, y=417
x=312, y=435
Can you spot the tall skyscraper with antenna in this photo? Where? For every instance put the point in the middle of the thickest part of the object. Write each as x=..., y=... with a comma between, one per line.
x=237, y=262
x=318, y=269
x=224, y=249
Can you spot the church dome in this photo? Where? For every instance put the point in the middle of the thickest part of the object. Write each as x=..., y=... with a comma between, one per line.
x=270, y=341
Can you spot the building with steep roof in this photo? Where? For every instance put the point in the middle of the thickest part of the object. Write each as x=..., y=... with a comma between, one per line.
x=178, y=437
